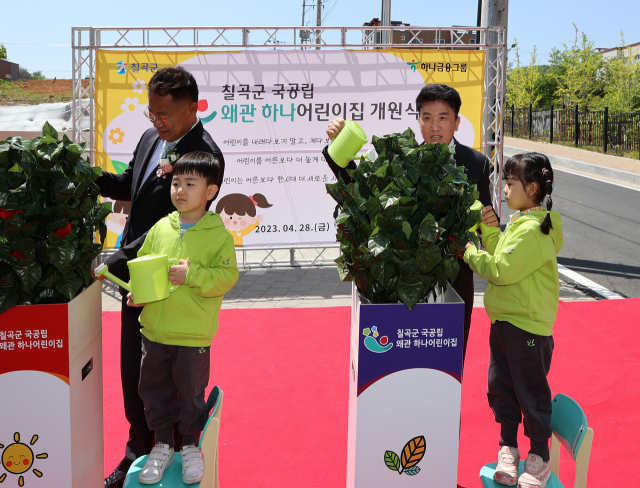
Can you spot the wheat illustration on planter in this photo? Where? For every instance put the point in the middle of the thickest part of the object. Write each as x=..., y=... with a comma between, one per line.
x=411, y=455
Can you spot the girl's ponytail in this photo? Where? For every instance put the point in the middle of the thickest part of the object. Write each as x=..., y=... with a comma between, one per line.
x=259, y=200
x=547, y=180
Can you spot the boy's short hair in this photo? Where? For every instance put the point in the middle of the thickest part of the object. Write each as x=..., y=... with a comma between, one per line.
x=175, y=81
x=435, y=92
x=202, y=164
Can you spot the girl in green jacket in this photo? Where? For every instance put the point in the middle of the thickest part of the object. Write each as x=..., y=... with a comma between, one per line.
x=522, y=302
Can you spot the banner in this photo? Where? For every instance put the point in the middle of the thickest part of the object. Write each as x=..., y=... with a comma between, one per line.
x=268, y=112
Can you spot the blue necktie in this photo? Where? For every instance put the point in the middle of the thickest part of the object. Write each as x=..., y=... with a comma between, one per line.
x=168, y=146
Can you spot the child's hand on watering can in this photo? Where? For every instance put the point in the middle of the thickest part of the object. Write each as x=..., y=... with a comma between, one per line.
x=489, y=217
x=177, y=274
x=130, y=301
x=335, y=126
x=95, y=277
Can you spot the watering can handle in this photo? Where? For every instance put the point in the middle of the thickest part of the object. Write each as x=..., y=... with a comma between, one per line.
x=104, y=271
x=172, y=262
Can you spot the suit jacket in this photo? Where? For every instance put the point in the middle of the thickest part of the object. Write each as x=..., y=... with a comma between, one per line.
x=151, y=199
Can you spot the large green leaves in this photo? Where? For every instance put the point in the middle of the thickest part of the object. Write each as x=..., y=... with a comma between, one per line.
x=50, y=219
x=402, y=220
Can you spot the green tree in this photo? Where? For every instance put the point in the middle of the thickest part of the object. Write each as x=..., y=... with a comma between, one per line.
x=576, y=73
x=524, y=82
x=621, y=76
x=548, y=86
x=3, y=52
x=24, y=75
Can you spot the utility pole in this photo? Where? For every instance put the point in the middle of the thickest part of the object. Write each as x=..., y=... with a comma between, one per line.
x=319, y=23
x=385, y=20
x=305, y=34
x=494, y=13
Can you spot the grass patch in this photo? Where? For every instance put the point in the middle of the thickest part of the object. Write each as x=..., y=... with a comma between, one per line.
x=11, y=94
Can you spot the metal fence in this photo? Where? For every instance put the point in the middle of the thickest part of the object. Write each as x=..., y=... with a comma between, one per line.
x=614, y=132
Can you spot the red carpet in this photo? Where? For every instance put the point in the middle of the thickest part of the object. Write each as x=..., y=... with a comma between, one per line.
x=285, y=372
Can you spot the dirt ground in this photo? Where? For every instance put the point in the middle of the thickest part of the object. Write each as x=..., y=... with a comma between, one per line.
x=49, y=87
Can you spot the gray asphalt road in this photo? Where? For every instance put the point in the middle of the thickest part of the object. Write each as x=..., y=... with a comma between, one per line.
x=601, y=227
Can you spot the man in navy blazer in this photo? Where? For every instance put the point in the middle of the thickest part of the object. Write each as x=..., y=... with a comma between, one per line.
x=173, y=104
x=438, y=107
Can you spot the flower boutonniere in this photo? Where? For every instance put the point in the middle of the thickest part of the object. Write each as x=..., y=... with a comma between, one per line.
x=166, y=164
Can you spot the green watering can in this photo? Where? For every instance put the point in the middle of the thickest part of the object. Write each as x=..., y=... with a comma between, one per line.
x=149, y=278
x=346, y=145
x=477, y=205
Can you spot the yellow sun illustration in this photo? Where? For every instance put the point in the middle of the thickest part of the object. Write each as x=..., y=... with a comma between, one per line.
x=17, y=458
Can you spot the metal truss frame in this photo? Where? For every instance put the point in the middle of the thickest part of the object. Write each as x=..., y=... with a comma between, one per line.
x=87, y=40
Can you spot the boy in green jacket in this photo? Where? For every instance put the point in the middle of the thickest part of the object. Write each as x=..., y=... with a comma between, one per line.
x=522, y=302
x=177, y=331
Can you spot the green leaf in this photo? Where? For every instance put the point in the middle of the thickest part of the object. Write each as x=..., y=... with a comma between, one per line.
x=451, y=268
x=49, y=151
x=406, y=228
x=378, y=243
x=392, y=460
x=429, y=228
x=48, y=130
x=428, y=257
x=29, y=275
x=410, y=292
x=409, y=269
x=60, y=256
x=69, y=286
x=23, y=244
x=383, y=271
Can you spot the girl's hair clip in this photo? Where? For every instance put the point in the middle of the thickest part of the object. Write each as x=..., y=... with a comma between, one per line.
x=548, y=181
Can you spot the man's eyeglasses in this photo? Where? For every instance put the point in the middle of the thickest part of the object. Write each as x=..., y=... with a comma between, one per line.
x=159, y=118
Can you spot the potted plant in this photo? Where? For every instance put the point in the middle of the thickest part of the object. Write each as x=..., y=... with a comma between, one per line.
x=403, y=220
x=50, y=316
x=49, y=215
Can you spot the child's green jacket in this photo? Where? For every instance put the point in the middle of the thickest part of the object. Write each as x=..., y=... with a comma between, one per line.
x=520, y=264
x=189, y=317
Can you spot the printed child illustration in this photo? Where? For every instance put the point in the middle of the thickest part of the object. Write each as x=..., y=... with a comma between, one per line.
x=238, y=212
x=117, y=219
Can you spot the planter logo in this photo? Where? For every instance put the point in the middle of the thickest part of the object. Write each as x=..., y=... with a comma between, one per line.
x=412, y=454
x=18, y=458
x=372, y=342
x=413, y=64
x=122, y=67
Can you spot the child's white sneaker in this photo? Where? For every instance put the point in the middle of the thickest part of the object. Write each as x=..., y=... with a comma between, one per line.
x=536, y=472
x=192, y=464
x=161, y=458
x=507, y=468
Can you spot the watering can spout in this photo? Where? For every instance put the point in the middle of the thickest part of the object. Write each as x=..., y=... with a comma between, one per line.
x=104, y=271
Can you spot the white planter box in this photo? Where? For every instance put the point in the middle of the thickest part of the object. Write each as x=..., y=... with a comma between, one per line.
x=405, y=384
x=51, y=387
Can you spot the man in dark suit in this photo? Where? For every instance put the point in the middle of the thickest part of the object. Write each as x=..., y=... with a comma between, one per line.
x=438, y=107
x=173, y=104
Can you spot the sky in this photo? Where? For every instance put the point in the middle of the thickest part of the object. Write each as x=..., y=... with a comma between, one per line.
x=40, y=40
